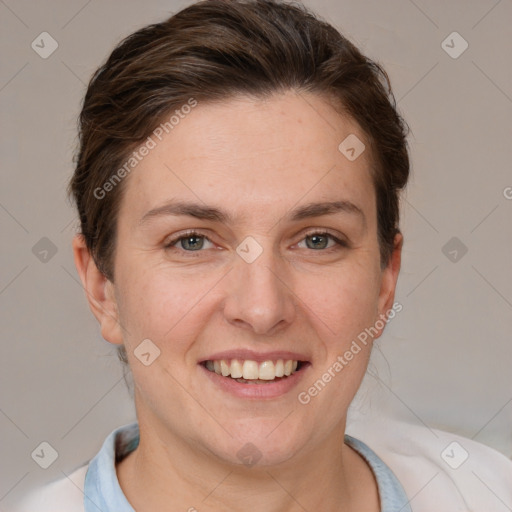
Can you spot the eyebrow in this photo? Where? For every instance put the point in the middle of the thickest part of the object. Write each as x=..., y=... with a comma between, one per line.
x=203, y=212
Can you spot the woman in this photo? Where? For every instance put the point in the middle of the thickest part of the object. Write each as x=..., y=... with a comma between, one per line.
x=238, y=184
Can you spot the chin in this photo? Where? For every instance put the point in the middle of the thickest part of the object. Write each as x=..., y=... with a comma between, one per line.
x=267, y=442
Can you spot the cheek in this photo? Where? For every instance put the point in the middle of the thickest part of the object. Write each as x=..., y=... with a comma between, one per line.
x=162, y=305
x=345, y=301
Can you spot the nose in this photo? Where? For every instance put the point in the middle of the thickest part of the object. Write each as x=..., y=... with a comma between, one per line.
x=259, y=297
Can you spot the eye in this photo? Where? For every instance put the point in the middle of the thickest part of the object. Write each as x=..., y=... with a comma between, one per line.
x=319, y=240
x=191, y=241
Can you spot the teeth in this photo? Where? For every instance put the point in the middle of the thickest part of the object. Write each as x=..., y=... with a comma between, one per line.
x=251, y=370
x=236, y=369
x=279, y=368
x=224, y=368
x=267, y=371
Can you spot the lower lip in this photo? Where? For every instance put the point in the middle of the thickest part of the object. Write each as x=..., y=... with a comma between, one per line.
x=256, y=391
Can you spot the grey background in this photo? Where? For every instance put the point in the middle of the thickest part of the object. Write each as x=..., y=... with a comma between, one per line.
x=445, y=361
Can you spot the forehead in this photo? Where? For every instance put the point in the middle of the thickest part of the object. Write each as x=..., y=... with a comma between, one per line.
x=253, y=156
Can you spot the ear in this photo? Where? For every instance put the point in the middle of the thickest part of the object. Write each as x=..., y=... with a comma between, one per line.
x=99, y=292
x=389, y=278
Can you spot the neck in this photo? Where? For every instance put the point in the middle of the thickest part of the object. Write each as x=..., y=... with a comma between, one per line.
x=166, y=473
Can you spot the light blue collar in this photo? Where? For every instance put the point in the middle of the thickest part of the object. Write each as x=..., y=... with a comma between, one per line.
x=391, y=492
x=102, y=491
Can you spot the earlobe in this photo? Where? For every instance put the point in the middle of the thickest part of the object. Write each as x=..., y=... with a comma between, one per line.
x=99, y=292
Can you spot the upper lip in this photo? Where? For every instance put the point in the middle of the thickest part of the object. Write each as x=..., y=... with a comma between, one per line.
x=243, y=354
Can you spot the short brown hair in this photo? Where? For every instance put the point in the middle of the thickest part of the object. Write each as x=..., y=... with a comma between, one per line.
x=214, y=50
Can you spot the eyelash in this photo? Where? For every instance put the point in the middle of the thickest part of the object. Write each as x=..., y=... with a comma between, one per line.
x=340, y=243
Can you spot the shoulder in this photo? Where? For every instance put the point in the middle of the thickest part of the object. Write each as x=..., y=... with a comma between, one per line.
x=68, y=493
x=64, y=494
x=441, y=469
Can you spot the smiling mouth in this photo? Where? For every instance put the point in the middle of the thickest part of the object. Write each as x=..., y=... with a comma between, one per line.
x=252, y=372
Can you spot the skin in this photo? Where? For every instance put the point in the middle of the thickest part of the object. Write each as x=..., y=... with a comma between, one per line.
x=258, y=160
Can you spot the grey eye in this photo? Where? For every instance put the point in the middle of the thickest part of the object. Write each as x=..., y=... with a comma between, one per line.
x=192, y=242
x=318, y=241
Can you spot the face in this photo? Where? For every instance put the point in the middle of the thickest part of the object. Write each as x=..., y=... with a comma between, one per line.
x=246, y=238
